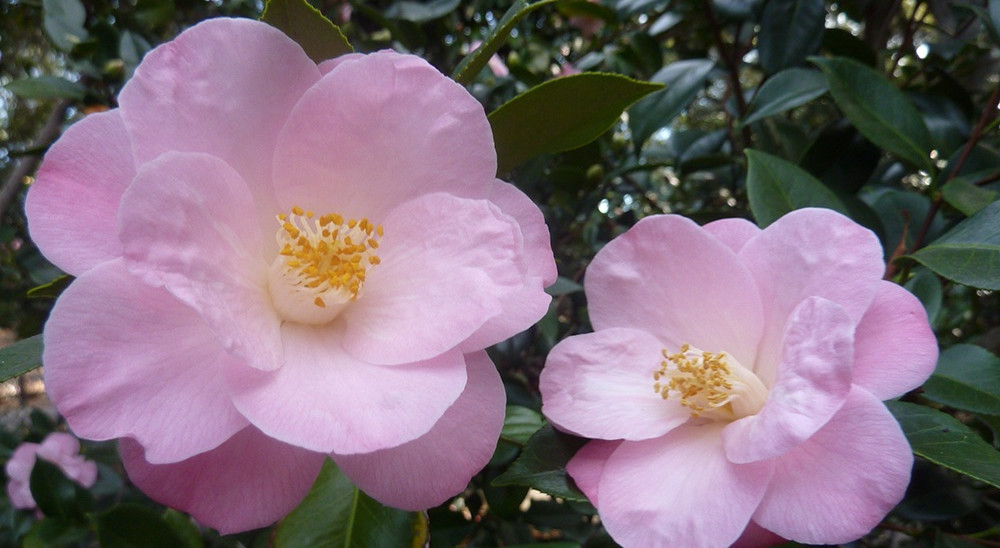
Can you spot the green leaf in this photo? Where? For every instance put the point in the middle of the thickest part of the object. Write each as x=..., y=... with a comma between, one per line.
x=683, y=81
x=520, y=423
x=942, y=439
x=57, y=495
x=336, y=514
x=561, y=114
x=20, y=357
x=421, y=12
x=966, y=196
x=785, y=90
x=926, y=286
x=967, y=377
x=184, y=528
x=542, y=464
x=47, y=87
x=474, y=62
x=879, y=110
x=969, y=253
x=64, y=21
x=135, y=526
x=563, y=286
x=52, y=289
x=776, y=187
x=790, y=31
x=317, y=35
x=50, y=531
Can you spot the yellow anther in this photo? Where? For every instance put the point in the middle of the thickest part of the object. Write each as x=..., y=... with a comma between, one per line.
x=318, y=301
x=297, y=210
x=702, y=380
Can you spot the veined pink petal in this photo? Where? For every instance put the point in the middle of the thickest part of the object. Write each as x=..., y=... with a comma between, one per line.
x=840, y=483
x=587, y=465
x=447, y=266
x=379, y=130
x=669, y=277
x=126, y=359
x=250, y=481
x=755, y=536
x=734, y=232
x=326, y=400
x=92, y=162
x=810, y=252
x=894, y=348
x=813, y=381
x=600, y=385
x=679, y=490
x=184, y=226
x=428, y=470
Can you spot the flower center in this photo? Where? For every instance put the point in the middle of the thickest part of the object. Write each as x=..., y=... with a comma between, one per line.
x=322, y=264
x=710, y=384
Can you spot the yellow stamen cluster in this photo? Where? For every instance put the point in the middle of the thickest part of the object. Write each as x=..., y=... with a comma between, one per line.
x=702, y=380
x=328, y=253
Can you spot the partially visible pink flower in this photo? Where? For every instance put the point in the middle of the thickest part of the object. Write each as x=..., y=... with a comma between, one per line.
x=495, y=63
x=587, y=24
x=58, y=448
x=279, y=261
x=734, y=380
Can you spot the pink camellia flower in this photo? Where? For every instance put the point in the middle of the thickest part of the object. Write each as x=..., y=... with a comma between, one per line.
x=59, y=448
x=733, y=384
x=278, y=261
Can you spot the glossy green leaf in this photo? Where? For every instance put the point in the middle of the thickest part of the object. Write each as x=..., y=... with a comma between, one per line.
x=520, y=423
x=136, y=526
x=474, y=62
x=50, y=532
x=57, y=495
x=967, y=377
x=336, y=514
x=942, y=439
x=20, y=357
x=317, y=35
x=879, y=110
x=776, y=187
x=184, y=528
x=790, y=31
x=682, y=80
x=47, y=87
x=966, y=196
x=784, y=91
x=561, y=114
x=63, y=22
x=542, y=464
x=926, y=286
x=421, y=12
x=563, y=286
x=969, y=253
x=52, y=289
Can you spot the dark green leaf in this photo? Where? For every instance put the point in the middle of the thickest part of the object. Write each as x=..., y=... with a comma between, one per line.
x=184, y=528
x=879, y=110
x=949, y=540
x=683, y=81
x=421, y=12
x=776, y=187
x=47, y=87
x=563, y=286
x=135, y=526
x=20, y=357
x=841, y=43
x=966, y=196
x=64, y=21
x=785, y=90
x=927, y=287
x=52, y=289
x=542, y=464
x=790, y=31
x=967, y=377
x=561, y=114
x=474, y=62
x=56, y=495
x=50, y=532
x=520, y=424
x=942, y=439
x=336, y=514
x=969, y=253
x=317, y=35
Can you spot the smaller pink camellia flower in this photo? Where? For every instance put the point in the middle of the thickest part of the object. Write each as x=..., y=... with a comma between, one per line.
x=62, y=450
x=734, y=380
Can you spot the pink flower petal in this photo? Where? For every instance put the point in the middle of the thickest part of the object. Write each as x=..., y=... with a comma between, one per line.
x=734, y=232
x=755, y=536
x=810, y=252
x=63, y=450
x=92, y=162
x=184, y=225
x=448, y=265
x=669, y=277
x=894, y=348
x=326, y=400
x=250, y=481
x=18, y=469
x=839, y=484
x=428, y=470
x=679, y=490
x=379, y=130
x=587, y=465
x=813, y=381
x=600, y=385
x=126, y=359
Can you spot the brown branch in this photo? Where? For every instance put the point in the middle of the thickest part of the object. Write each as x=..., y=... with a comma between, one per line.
x=732, y=67
x=29, y=163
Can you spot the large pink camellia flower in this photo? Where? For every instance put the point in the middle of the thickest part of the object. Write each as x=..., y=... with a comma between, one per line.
x=734, y=380
x=59, y=448
x=278, y=261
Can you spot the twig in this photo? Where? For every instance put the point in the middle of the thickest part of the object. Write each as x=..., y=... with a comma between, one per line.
x=27, y=164
x=734, y=77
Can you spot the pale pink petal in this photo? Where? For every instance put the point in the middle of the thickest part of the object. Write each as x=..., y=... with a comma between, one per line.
x=249, y=481
x=428, y=470
x=755, y=536
x=810, y=252
x=330, y=64
x=813, y=381
x=184, y=226
x=18, y=469
x=839, y=484
x=600, y=385
x=669, y=277
x=733, y=232
x=63, y=450
x=326, y=400
x=679, y=490
x=126, y=359
x=72, y=206
x=448, y=265
x=894, y=348
x=587, y=465
x=377, y=131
